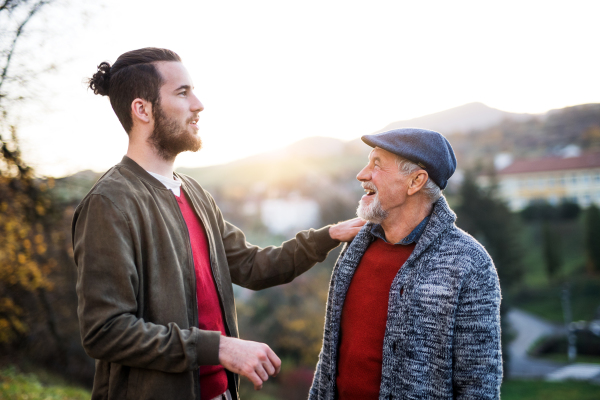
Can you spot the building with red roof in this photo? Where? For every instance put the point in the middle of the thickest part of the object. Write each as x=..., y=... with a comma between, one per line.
x=551, y=179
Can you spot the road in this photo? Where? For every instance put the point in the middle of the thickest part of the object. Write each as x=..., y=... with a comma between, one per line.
x=528, y=329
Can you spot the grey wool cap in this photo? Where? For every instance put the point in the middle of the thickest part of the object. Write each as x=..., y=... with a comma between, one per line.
x=429, y=149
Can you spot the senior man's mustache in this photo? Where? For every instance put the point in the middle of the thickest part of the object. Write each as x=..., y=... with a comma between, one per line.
x=369, y=187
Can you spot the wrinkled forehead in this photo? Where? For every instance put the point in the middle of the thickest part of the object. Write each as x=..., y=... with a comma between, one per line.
x=381, y=154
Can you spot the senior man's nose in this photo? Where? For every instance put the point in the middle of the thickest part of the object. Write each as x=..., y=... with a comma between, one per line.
x=364, y=174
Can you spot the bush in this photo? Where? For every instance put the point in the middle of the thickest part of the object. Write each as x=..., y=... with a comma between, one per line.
x=587, y=344
x=543, y=211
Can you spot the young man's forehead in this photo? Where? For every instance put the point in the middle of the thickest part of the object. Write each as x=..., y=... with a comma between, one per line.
x=174, y=74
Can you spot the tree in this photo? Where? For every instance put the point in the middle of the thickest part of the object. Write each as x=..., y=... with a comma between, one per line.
x=592, y=238
x=490, y=221
x=38, y=321
x=551, y=250
x=15, y=15
x=24, y=203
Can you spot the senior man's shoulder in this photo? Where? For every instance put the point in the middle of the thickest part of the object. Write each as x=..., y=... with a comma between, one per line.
x=465, y=245
x=467, y=258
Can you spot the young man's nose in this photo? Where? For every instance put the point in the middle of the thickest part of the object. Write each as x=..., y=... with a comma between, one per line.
x=197, y=105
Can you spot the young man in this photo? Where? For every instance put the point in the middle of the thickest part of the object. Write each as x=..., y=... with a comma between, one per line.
x=413, y=308
x=156, y=260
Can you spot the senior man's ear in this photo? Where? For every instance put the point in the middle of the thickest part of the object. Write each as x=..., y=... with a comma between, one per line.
x=417, y=182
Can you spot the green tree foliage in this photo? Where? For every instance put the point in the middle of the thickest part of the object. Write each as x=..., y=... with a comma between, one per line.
x=551, y=250
x=592, y=238
x=489, y=220
x=543, y=211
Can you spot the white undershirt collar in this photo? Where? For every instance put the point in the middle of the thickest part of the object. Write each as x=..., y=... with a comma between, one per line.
x=173, y=184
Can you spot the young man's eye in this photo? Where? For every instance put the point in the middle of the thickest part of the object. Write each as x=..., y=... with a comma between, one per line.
x=184, y=93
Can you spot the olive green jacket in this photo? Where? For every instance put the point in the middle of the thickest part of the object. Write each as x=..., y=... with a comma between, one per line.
x=136, y=286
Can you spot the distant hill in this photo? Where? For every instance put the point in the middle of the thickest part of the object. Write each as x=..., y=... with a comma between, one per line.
x=463, y=118
x=478, y=134
x=316, y=146
x=543, y=135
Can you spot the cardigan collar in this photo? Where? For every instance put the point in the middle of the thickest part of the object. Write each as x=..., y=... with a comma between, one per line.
x=441, y=218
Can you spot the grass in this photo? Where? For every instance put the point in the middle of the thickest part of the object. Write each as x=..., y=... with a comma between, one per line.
x=511, y=390
x=564, y=359
x=15, y=385
x=535, y=390
x=19, y=386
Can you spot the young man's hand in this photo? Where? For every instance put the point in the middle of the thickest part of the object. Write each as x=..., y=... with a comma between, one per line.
x=345, y=231
x=255, y=361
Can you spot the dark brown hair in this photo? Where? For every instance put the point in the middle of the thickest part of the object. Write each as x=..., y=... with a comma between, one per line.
x=132, y=76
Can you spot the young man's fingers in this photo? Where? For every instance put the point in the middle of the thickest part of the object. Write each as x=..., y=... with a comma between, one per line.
x=260, y=371
x=275, y=361
x=269, y=368
x=256, y=381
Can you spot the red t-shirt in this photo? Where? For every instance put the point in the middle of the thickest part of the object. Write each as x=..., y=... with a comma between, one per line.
x=213, y=378
x=363, y=321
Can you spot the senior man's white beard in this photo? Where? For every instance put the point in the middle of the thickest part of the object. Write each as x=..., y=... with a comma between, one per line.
x=373, y=212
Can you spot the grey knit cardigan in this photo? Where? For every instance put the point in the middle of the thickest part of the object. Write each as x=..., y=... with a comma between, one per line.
x=442, y=337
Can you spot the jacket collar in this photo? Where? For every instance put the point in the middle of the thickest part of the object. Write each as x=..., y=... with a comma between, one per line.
x=141, y=172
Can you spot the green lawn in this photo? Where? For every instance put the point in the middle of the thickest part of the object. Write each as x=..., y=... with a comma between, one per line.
x=19, y=386
x=541, y=390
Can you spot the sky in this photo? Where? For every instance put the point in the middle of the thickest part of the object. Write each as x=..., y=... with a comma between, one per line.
x=270, y=73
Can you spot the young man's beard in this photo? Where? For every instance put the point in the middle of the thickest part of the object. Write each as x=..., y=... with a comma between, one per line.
x=373, y=212
x=169, y=138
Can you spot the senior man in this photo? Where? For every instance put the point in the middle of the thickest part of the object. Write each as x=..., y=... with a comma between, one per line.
x=413, y=308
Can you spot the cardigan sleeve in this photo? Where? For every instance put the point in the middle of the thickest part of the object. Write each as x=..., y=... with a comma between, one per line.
x=477, y=356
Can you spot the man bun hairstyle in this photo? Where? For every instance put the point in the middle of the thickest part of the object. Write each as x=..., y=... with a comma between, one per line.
x=99, y=83
x=132, y=76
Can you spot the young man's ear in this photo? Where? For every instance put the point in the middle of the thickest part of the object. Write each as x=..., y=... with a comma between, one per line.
x=417, y=182
x=141, y=111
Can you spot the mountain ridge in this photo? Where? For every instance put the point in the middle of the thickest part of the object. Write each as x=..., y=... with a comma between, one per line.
x=467, y=117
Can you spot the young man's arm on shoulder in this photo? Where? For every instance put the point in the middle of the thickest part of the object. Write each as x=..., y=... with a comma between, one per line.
x=259, y=268
x=477, y=354
x=107, y=290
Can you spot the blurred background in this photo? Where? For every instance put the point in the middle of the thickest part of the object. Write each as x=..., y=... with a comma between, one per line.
x=288, y=89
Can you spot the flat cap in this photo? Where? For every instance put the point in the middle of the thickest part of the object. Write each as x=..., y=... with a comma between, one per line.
x=428, y=149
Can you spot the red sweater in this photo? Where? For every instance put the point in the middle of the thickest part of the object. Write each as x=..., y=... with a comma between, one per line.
x=364, y=316
x=213, y=378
